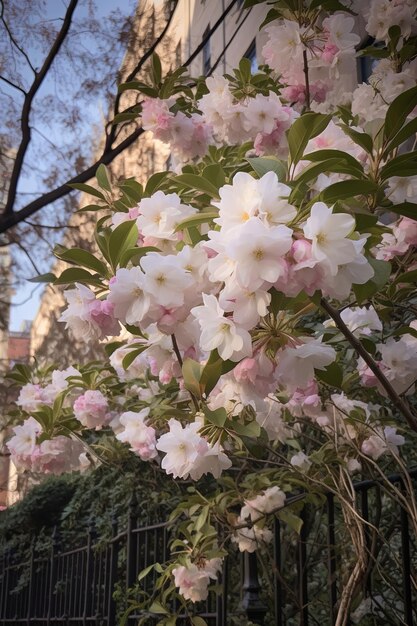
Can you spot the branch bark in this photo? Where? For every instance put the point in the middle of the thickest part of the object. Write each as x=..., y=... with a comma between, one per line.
x=27, y=106
x=15, y=217
x=398, y=402
x=11, y=218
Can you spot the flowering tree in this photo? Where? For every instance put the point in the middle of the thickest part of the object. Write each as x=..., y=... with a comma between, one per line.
x=261, y=295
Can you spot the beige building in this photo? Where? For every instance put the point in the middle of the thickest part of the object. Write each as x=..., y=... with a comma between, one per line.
x=237, y=36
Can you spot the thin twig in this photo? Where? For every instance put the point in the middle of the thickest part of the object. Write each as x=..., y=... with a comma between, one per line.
x=13, y=40
x=355, y=343
x=27, y=106
x=307, y=80
x=180, y=361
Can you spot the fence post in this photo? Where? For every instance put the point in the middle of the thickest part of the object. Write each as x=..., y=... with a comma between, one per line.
x=131, y=542
x=52, y=574
x=331, y=556
x=88, y=595
x=30, y=589
x=302, y=571
x=251, y=602
x=114, y=552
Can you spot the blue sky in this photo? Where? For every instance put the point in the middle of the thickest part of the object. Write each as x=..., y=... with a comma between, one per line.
x=25, y=301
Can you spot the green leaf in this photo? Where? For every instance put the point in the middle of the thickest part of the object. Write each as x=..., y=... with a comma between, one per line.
x=398, y=112
x=312, y=171
x=217, y=417
x=125, y=117
x=138, y=85
x=77, y=275
x=194, y=181
x=145, y=572
x=81, y=257
x=135, y=253
x=346, y=189
x=402, y=165
x=332, y=375
x=323, y=155
x=43, y=278
x=262, y=165
x=103, y=177
x=331, y=6
x=252, y=429
x=132, y=354
x=132, y=188
x=293, y=521
x=407, y=277
x=21, y=373
x=87, y=189
x=200, y=218
x=382, y=274
x=198, y=621
x=123, y=237
x=156, y=69
x=306, y=127
x=409, y=130
x=156, y=607
x=407, y=209
x=112, y=346
x=214, y=173
x=191, y=371
x=91, y=207
x=213, y=369
x=155, y=182
x=361, y=139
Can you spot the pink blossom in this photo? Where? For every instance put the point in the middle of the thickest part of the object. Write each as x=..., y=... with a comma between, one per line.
x=157, y=117
x=193, y=580
x=329, y=52
x=246, y=370
x=408, y=227
x=102, y=313
x=138, y=434
x=91, y=409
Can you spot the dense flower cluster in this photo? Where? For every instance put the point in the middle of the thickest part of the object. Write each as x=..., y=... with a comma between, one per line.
x=251, y=295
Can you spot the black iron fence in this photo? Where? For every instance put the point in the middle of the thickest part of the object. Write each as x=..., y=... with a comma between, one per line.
x=298, y=583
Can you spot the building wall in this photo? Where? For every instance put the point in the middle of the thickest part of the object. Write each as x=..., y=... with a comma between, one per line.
x=49, y=339
x=191, y=20
x=18, y=348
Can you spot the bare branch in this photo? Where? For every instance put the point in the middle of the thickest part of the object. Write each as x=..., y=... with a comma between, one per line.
x=27, y=106
x=12, y=39
x=13, y=85
x=11, y=217
x=401, y=405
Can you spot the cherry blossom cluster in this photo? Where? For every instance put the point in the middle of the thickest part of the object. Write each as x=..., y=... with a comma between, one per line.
x=323, y=48
x=52, y=456
x=218, y=308
x=193, y=579
x=222, y=120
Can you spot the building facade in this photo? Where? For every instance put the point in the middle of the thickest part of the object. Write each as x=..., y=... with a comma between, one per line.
x=236, y=36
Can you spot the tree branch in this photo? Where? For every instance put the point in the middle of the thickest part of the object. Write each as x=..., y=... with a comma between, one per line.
x=13, y=85
x=27, y=106
x=13, y=40
x=12, y=218
x=398, y=402
x=111, y=136
x=15, y=217
x=307, y=80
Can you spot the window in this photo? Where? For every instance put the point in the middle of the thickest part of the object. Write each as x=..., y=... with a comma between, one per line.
x=206, y=52
x=251, y=55
x=366, y=65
